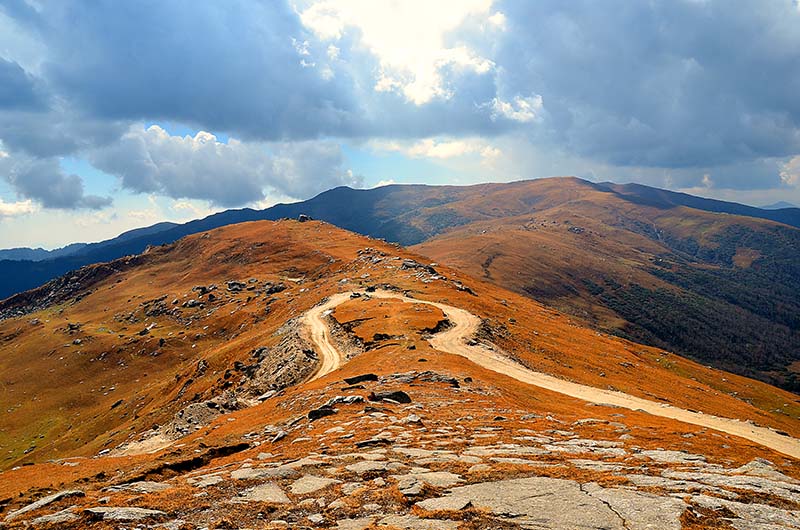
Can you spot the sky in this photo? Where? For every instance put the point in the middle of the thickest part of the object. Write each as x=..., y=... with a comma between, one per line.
x=118, y=114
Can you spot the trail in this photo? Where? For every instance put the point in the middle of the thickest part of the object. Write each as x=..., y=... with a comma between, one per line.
x=465, y=324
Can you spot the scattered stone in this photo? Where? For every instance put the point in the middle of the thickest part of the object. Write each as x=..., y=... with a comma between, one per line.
x=44, y=501
x=269, y=492
x=360, y=379
x=311, y=483
x=397, y=396
x=321, y=412
x=142, y=487
x=64, y=516
x=354, y=524
x=122, y=513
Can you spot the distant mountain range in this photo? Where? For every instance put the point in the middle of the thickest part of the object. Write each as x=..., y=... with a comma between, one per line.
x=780, y=205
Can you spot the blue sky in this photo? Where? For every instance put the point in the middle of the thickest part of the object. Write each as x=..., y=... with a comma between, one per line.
x=115, y=115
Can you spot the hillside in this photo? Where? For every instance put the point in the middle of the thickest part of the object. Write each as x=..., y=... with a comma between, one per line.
x=267, y=375
x=716, y=281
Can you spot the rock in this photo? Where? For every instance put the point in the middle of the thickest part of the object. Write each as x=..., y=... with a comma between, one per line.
x=344, y=400
x=413, y=483
x=751, y=516
x=360, y=379
x=234, y=286
x=316, y=518
x=321, y=412
x=141, y=487
x=412, y=522
x=311, y=483
x=641, y=511
x=354, y=524
x=372, y=442
x=302, y=218
x=44, y=501
x=366, y=466
x=64, y=516
x=672, y=457
x=269, y=492
x=122, y=513
x=279, y=436
x=251, y=473
x=531, y=503
x=397, y=396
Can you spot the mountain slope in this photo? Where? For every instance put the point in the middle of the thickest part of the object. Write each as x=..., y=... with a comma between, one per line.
x=632, y=260
x=147, y=387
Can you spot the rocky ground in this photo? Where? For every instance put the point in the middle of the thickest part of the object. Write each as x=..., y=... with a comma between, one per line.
x=449, y=459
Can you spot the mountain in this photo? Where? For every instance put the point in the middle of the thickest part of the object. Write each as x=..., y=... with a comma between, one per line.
x=712, y=280
x=297, y=375
x=39, y=254
x=778, y=206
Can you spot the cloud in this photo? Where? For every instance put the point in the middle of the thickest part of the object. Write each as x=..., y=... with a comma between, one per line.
x=408, y=38
x=790, y=172
x=43, y=180
x=14, y=209
x=226, y=174
x=681, y=84
x=17, y=89
x=439, y=148
x=521, y=109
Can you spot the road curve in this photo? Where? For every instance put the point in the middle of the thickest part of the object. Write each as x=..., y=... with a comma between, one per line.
x=454, y=341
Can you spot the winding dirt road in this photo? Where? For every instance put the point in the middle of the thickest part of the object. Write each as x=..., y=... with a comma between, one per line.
x=453, y=341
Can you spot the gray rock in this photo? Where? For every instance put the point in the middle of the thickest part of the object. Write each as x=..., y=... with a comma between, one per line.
x=122, y=513
x=44, y=501
x=250, y=473
x=751, y=516
x=411, y=522
x=269, y=492
x=141, y=487
x=354, y=524
x=64, y=516
x=537, y=502
x=641, y=511
x=672, y=457
x=413, y=483
x=311, y=483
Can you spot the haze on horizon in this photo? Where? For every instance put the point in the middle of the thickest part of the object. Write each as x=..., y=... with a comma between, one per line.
x=117, y=115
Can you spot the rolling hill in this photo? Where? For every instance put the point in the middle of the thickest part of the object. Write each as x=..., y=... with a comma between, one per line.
x=287, y=374
x=712, y=280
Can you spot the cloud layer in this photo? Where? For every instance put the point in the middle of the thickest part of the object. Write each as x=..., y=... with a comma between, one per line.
x=680, y=92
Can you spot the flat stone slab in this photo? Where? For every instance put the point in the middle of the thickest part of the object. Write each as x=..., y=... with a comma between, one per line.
x=412, y=483
x=537, y=502
x=354, y=524
x=411, y=522
x=64, y=516
x=123, y=513
x=641, y=511
x=311, y=483
x=142, y=487
x=44, y=501
x=251, y=473
x=269, y=492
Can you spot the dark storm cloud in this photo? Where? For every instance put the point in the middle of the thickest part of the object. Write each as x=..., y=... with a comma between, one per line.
x=17, y=88
x=662, y=84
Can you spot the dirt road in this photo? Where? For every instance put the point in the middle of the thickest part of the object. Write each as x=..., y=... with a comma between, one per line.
x=454, y=341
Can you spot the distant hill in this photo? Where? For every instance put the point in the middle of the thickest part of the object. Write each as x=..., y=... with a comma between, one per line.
x=713, y=280
x=778, y=206
x=39, y=254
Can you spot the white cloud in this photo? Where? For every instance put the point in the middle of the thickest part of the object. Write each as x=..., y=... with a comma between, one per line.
x=790, y=172
x=407, y=37
x=439, y=149
x=521, y=109
x=14, y=209
x=226, y=174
